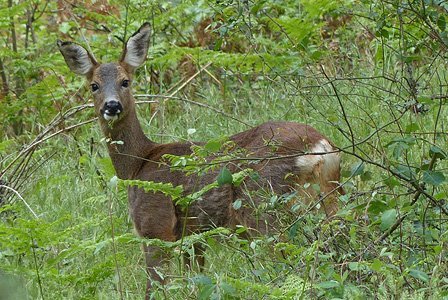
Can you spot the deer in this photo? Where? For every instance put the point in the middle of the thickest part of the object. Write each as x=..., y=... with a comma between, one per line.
x=289, y=157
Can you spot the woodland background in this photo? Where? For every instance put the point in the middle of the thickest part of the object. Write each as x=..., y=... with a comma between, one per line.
x=371, y=75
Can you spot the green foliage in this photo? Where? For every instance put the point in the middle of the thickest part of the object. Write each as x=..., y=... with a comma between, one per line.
x=371, y=75
x=150, y=186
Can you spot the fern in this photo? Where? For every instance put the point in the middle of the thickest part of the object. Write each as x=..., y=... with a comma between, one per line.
x=238, y=62
x=150, y=186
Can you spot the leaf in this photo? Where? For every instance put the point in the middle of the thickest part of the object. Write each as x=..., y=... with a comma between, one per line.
x=441, y=23
x=113, y=182
x=106, y=167
x=187, y=200
x=388, y=218
x=191, y=131
x=65, y=27
x=391, y=182
x=205, y=292
x=224, y=177
x=412, y=127
x=150, y=186
x=377, y=206
x=213, y=145
x=357, y=169
x=405, y=172
x=417, y=274
x=440, y=196
x=433, y=177
x=376, y=265
x=437, y=152
x=206, y=286
x=7, y=144
x=366, y=176
x=355, y=266
x=202, y=279
x=238, y=178
x=227, y=289
x=400, y=145
x=328, y=284
x=237, y=204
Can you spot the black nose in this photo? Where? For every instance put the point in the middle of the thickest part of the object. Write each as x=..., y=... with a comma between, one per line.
x=112, y=108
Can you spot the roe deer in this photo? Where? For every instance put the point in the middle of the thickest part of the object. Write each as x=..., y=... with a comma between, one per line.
x=289, y=155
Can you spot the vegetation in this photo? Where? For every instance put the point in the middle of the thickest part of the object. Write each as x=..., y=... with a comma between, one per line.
x=371, y=75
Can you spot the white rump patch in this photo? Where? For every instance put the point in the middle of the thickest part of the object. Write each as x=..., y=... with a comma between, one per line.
x=322, y=164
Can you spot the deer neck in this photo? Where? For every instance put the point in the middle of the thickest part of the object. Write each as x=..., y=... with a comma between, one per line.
x=127, y=144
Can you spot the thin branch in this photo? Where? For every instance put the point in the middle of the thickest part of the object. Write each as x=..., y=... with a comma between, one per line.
x=341, y=105
x=21, y=198
x=195, y=103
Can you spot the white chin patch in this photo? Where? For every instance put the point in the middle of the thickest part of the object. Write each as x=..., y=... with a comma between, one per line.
x=110, y=118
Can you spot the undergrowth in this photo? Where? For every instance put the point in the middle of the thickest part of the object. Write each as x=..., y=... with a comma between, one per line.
x=371, y=76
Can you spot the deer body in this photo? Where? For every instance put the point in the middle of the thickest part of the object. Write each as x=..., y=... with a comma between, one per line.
x=290, y=155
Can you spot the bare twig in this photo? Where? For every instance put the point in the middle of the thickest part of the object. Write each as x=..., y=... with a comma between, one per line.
x=197, y=104
x=21, y=198
x=341, y=105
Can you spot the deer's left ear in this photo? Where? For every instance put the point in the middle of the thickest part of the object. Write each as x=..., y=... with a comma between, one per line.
x=137, y=46
x=78, y=59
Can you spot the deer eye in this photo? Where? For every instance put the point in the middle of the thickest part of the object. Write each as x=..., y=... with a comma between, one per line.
x=95, y=87
x=125, y=83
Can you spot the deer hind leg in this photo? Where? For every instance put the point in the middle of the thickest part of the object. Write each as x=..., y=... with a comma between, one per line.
x=323, y=170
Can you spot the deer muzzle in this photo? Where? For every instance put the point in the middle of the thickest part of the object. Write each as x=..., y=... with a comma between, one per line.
x=111, y=110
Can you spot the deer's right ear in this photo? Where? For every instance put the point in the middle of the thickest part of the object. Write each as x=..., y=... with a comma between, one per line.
x=77, y=58
x=134, y=54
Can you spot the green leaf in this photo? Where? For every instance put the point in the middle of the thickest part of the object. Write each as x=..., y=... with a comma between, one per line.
x=401, y=145
x=357, y=169
x=65, y=27
x=106, y=167
x=191, y=131
x=237, y=204
x=413, y=127
x=329, y=284
x=437, y=152
x=433, y=177
x=441, y=23
x=224, y=177
x=7, y=144
x=213, y=145
x=355, y=266
x=406, y=172
x=150, y=186
x=388, y=218
x=238, y=178
x=391, y=182
x=113, y=182
x=417, y=274
x=366, y=176
x=202, y=279
x=376, y=265
x=206, y=286
x=227, y=289
x=187, y=200
x=441, y=195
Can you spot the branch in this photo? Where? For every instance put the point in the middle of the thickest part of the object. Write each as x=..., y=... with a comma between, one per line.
x=21, y=198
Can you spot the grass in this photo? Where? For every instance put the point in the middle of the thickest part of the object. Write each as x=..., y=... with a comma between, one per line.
x=82, y=245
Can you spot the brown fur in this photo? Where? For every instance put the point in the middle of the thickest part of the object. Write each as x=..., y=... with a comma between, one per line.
x=136, y=157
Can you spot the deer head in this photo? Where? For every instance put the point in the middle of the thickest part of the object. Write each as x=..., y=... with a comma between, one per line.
x=110, y=83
